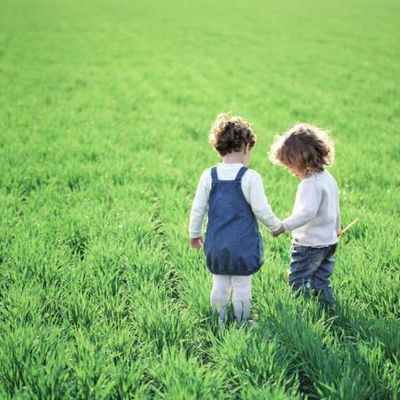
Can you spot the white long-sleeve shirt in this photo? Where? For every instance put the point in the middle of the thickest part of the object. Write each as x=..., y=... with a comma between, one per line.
x=315, y=219
x=253, y=190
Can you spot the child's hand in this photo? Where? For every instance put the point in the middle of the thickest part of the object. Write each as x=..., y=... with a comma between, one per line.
x=196, y=243
x=338, y=233
x=279, y=231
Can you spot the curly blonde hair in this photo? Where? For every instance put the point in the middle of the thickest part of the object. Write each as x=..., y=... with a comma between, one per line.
x=305, y=147
x=229, y=133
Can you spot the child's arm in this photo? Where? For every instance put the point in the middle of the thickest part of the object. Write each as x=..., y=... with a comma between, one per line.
x=260, y=206
x=338, y=224
x=199, y=209
x=308, y=199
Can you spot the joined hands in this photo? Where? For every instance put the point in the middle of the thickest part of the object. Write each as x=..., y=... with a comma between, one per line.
x=279, y=231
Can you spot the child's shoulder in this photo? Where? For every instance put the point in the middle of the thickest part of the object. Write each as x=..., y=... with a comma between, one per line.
x=253, y=178
x=206, y=173
x=252, y=173
x=310, y=181
x=319, y=179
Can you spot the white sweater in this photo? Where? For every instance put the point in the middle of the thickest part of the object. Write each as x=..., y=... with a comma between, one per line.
x=253, y=190
x=315, y=219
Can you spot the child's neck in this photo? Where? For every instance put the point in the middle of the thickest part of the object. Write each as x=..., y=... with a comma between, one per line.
x=233, y=158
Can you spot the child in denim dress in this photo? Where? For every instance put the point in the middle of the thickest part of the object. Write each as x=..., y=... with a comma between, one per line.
x=315, y=221
x=233, y=197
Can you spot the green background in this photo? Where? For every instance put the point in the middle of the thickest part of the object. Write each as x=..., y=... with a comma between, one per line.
x=105, y=108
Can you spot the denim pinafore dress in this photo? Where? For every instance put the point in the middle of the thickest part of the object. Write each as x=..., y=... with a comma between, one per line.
x=233, y=243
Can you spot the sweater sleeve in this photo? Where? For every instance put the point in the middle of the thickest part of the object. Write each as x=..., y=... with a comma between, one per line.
x=260, y=206
x=308, y=199
x=199, y=207
x=338, y=222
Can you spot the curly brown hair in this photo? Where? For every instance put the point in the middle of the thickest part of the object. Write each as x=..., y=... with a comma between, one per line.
x=305, y=147
x=229, y=133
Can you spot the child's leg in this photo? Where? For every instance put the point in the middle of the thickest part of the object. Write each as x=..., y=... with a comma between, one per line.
x=220, y=294
x=305, y=261
x=241, y=297
x=321, y=277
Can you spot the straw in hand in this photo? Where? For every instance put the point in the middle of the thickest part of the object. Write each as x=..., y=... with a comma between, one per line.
x=348, y=227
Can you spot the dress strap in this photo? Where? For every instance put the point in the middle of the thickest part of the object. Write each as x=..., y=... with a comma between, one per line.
x=214, y=174
x=240, y=174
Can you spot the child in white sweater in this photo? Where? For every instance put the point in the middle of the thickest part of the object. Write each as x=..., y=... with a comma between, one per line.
x=233, y=197
x=315, y=221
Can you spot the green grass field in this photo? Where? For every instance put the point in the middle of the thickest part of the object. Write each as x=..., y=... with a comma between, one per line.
x=105, y=108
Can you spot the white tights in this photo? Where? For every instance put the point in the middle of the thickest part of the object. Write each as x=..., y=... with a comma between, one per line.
x=241, y=295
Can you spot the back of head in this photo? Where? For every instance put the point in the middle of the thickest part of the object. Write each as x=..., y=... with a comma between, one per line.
x=231, y=133
x=305, y=147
